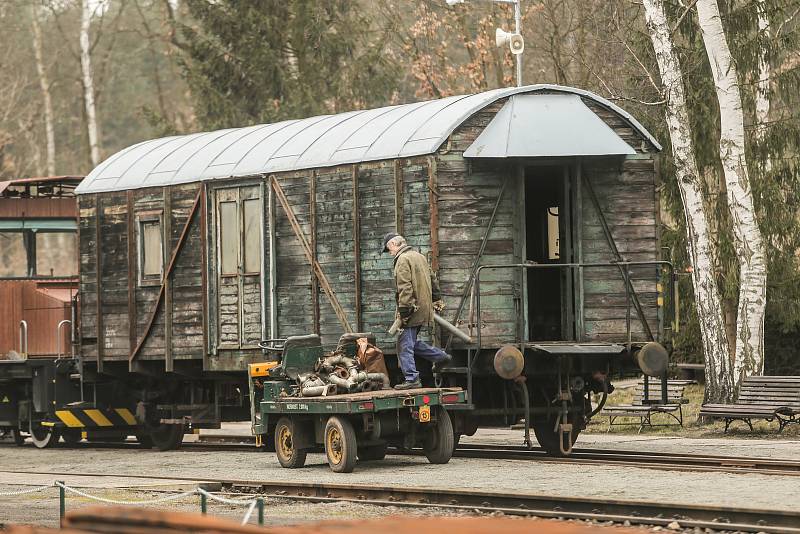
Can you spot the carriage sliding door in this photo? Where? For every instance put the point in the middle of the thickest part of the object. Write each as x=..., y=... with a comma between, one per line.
x=239, y=262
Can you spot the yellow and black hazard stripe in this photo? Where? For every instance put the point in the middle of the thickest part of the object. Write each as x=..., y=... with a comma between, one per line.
x=95, y=418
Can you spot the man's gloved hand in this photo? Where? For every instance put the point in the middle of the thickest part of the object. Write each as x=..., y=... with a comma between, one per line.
x=405, y=313
x=438, y=306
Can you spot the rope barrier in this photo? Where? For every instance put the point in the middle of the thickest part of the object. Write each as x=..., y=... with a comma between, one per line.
x=25, y=491
x=156, y=500
x=223, y=500
x=252, y=504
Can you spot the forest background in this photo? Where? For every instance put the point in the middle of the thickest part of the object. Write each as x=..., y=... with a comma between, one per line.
x=81, y=79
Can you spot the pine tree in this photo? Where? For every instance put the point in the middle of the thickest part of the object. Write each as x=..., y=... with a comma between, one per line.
x=258, y=61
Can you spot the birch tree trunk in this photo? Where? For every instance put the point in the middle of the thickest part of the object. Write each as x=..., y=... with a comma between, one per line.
x=748, y=241
x=700, y=246
x=762, y=97
x=44, y=85
x=88, y=84
x=764, y=74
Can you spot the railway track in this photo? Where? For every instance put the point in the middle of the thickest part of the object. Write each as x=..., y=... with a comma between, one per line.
x=651, y=460
x=643, y=459
x=531, y=505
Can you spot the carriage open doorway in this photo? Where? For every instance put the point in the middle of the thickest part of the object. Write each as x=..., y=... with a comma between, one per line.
x=548, y=241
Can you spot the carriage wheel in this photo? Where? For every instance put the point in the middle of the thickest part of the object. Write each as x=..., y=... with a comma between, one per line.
x=43, y=436
x=549, y=439
x=145, y=441
x=341, y=447
x=71, y=436
x=288, y=454
x=167, y=437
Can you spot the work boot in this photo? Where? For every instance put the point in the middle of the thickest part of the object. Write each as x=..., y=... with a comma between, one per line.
x=409, y=385
x=441, y=364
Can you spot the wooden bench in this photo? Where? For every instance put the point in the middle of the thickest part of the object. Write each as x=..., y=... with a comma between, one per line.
x=644, y=407
x=761, y=397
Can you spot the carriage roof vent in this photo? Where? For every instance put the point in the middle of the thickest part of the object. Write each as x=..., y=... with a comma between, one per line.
x=548, y=125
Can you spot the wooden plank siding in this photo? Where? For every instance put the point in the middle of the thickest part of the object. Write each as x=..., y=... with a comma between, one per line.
x=186, y=309
x=626, y=193
x=467, y=194
x=392, y=195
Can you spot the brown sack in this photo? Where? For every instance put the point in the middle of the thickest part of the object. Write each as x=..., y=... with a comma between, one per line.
x=370, y=357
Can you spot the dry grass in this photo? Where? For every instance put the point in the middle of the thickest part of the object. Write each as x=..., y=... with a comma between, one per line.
x=692, y=427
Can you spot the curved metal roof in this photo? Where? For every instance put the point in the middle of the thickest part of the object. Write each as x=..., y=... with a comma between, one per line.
x=328, y=140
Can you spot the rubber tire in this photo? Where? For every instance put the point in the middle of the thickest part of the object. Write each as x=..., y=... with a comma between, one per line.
x=293, y=458
x=47, y=437
x=439, y=441
x=167, y=437
x=372, y=453
x=548, y=440
x=71, y=437
x=349, y=444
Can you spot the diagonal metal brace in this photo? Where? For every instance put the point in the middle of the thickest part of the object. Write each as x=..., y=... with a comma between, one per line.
x=618, y=257
x=476, y=263
x=199, y=199
x=315, y=266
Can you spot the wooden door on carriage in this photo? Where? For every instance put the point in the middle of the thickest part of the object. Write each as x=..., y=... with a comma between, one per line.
x=239, y=262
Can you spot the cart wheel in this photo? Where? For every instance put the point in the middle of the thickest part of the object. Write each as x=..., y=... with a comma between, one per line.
x=19, y=439
x=438, y=442
x=43, y=436
x=288, y=455
x=373, y=452
x=71, y=436
x=167, y=437
x=341, y=447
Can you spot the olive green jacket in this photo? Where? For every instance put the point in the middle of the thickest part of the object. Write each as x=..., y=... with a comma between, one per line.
x=416, y=286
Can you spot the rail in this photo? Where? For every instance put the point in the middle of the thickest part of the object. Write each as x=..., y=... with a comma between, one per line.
x=625, y=271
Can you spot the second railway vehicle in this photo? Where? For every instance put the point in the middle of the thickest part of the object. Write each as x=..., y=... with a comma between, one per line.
x=537, y=207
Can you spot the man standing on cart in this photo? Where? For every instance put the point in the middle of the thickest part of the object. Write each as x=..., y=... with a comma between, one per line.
x=418, y=296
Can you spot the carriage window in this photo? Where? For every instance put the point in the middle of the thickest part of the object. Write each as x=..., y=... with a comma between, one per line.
x=252, y=235
x=229, y=238
x=151, y=250
x=553, y=252
x=56, y=254
x=13, y=255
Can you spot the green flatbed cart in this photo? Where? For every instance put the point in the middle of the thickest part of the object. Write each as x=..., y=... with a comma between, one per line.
x=349, y=427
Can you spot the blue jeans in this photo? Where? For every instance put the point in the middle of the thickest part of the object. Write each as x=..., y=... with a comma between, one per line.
x=409, y=346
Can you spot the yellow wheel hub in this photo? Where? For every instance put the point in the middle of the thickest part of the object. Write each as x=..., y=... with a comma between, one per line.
x=285, y=442
x=334, y=445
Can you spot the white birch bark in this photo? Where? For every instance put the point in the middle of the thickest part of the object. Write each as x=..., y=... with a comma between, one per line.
x=762, y=90
x=748, y=241
x=44, y=85
x=700, y=246
x=88, y=83
x=763, y=102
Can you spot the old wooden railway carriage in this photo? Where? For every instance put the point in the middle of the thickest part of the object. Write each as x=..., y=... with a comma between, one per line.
x=194, y=248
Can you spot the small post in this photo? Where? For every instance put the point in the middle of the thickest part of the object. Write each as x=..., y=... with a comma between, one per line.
x=203, y=503
x=62, y=502
x=260, y=507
